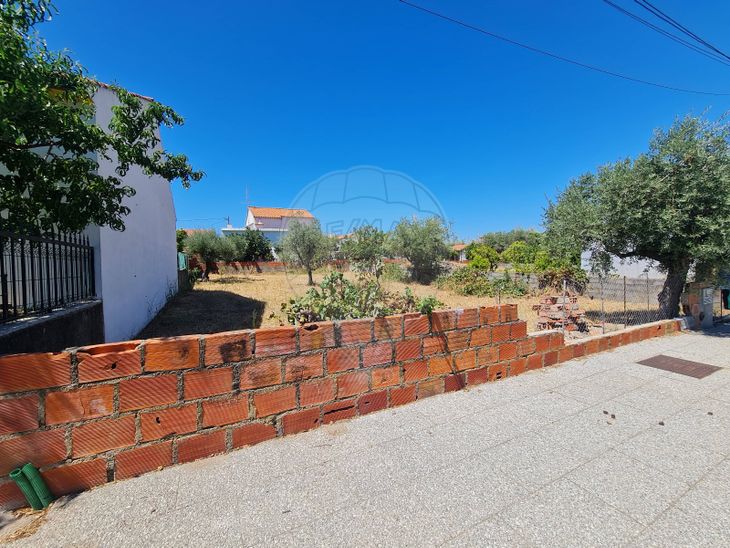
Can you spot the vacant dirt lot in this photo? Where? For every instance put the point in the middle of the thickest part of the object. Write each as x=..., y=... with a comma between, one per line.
x=241, y=301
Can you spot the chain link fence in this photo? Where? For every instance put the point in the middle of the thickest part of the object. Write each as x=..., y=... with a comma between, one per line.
x=606, y=304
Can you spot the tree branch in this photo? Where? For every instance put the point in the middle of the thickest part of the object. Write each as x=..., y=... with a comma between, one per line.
x=32, y=145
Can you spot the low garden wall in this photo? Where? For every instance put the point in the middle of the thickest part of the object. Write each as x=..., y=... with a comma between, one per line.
x=249, y=267
x=101, y=413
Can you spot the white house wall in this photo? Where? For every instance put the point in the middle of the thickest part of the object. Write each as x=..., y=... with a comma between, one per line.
x=137, y=268
x=628, y=268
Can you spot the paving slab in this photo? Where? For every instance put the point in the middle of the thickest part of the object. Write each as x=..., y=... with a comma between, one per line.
x=596, y=451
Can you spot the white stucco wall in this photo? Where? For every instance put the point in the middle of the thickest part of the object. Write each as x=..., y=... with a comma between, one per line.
x=628, y=268
x=136, y=270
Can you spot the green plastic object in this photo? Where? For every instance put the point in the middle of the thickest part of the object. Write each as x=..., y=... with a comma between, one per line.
x=27, y=489
x=39, y=486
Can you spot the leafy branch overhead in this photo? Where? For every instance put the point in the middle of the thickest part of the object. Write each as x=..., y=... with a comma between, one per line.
x=50, y=145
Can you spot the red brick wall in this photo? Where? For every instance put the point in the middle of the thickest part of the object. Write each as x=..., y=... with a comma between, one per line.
x=100, y=413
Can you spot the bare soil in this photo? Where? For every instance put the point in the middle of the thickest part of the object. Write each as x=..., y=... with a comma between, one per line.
x=241, y=301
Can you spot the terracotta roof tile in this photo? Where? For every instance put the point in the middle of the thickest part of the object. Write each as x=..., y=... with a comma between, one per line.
x=279, y=212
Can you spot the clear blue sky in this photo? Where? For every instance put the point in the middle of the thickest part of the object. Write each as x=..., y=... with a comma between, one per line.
x=278, y=93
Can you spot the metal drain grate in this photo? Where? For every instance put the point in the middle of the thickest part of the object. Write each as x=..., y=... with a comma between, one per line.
x=683, y=367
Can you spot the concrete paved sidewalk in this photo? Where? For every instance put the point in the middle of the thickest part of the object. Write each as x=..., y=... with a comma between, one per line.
x=597, y=451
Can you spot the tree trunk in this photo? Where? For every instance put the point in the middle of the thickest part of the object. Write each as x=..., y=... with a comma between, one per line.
x=210, y=266
x=311, y=280
x=673, y=286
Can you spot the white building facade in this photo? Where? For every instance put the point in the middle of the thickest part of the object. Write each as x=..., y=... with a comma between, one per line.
x=135, y=269
x=273, y=222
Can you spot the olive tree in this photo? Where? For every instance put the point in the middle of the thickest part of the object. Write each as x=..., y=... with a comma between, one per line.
x=365, y=248
x=423, y=243
x=206, y=246
x=670, y=205
x=306, y=246
x=49, y=142
x=250, y=245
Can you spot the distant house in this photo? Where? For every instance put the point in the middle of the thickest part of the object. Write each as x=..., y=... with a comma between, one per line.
x=273, y=222
x=459, y=251
x=630, y=268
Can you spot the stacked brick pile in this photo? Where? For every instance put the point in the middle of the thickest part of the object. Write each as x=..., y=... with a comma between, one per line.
x=560, y=312
x=102, y=413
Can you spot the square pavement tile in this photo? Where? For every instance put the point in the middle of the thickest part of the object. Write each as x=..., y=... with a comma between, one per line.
x=446, y=443
x=647, y=398
x=678, y=528
x=629, y=486
x=600, y=387
x=531, y=459
x=490, y=532
x=592, y=431
x=664, y=452
x=713, y=491
x=563, y=514
x=699, y=425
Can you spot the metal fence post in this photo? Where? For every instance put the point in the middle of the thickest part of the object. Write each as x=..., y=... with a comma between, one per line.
x=648, y=303
x=565, y=314
x=603, y=309
x=626, y=314
x=3, y=280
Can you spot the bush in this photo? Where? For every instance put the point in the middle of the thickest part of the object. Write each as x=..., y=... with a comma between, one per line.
x=482, y=257
x=552, y=279
x=395, y=272
x=472, y=281
x=249, y=246
x=338, y=299
x=180, y=236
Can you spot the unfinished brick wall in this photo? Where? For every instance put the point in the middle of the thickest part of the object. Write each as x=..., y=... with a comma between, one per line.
x=96, y=414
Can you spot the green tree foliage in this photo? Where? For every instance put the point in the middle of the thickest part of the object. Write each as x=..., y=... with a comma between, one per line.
x=205, y=245
x=423, y=243
x=50, y=145
x=250, y=245
x=482, y=257
x=670, y=205
x=521, y=256
x=180, y=236
x=306, y=246
x=502, y=240
x=365, y=249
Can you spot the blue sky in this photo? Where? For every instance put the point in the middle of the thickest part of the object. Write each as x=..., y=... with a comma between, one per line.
x=277, y=94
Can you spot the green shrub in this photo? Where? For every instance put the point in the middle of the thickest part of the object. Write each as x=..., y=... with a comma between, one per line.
x=552, y=279
x=250, y=245
x=476, y=282
x=338, y=298
x=506, y=286
x=482, y=256
x=395, y=272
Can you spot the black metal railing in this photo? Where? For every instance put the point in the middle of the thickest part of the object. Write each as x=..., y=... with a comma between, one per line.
x=42, y=273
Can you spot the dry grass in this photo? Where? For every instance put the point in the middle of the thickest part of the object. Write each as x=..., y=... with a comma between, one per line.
x=240, y=301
